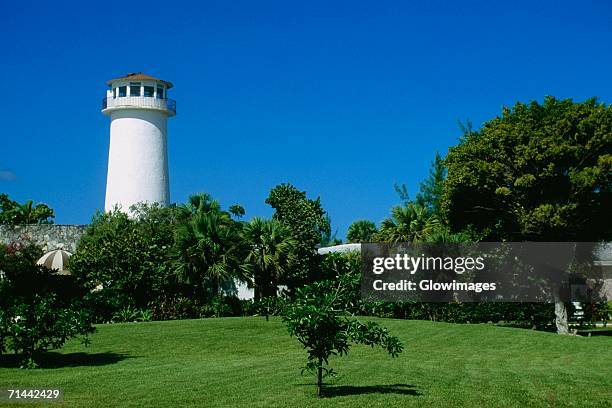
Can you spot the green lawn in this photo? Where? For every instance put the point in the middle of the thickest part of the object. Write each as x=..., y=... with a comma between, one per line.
x=250, y=362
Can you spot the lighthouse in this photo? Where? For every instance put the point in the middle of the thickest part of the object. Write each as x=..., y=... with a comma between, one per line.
x=139, y=108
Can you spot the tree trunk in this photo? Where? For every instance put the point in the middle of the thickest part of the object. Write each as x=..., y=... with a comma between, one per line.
x=266, y=290
x=320, y=379
x=560, y=312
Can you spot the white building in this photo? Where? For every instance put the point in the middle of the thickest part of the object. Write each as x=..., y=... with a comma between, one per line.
x=339, y=249
x=139, y=108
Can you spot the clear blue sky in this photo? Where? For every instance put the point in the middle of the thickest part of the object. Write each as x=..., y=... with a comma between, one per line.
x=342, y=99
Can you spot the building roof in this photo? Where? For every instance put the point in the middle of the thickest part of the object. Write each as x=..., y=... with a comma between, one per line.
x=139, y=76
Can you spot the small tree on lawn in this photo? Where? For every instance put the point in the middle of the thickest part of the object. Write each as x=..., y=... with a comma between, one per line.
x=317, y=318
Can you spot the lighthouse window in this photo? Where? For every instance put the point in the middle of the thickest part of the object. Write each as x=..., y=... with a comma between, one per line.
x=160, y=93
x=122, y=91
x=114, y=92
x=148, y=91
x=134, y=88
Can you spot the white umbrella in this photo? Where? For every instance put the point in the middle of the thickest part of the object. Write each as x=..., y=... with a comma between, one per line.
x=57, y=260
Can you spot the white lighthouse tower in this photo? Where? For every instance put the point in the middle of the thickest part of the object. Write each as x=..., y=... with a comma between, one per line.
x=139, y=108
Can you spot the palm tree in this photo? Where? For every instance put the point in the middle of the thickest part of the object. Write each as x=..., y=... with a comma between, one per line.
x=361, y=231
x=198, y=203
x=408, y=223
x=208, y=249
x=13, y=213
x=444, y=236
x=270, y=253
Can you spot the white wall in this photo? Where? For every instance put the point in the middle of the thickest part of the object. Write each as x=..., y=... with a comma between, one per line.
x=243, y=291
x=339, y=248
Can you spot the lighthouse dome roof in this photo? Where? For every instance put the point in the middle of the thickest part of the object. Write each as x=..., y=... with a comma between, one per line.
x=139, y=76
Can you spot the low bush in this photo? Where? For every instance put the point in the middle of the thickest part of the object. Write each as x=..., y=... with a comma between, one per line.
x=531, y=315
x=174, y=308
x=105, y=303
x=130, y=314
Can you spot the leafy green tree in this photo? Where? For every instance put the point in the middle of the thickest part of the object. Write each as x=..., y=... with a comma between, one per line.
x=361, y=231
x=208, y=248
x=318, y=320
x=408, y=223
x=269, y=255
x=129, y=256
x=13, y=213
x=430, y=191
x=402, y=192
x=327, y=238
x=39, y=310
x=538, y=172
x=307, y=222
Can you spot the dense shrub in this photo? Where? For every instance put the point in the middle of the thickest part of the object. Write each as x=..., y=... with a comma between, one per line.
x=39, y=310
x=336, y=265
x=130, y=314
x=218, y=306
x=127, y=256
x=270, y=306
x=532, y=315
x=174, y=308
x=105, y=303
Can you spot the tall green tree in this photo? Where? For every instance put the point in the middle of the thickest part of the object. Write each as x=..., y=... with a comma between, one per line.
x=430, y=191
x=537, y=172
x=327, y=237
x=269, y=256
x=14, y=213
x=361, y=231
x=307, y=222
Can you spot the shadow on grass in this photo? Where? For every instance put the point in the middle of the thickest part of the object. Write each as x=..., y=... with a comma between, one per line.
x=59, y=360
x=345, y=390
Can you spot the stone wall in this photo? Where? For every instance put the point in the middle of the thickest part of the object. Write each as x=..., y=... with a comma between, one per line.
x=49, y=237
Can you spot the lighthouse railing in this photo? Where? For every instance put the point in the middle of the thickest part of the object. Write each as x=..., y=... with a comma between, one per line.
x=139, y=101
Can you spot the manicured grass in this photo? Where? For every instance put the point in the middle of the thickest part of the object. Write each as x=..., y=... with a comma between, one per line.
x=249, y=362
